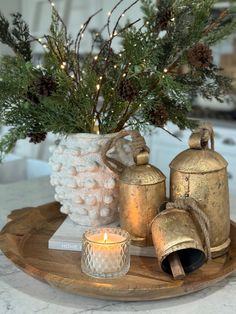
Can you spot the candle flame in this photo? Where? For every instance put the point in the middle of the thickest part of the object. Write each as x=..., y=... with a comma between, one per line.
x=105, y=237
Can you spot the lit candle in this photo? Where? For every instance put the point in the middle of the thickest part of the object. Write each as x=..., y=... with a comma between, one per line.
x=105, y=253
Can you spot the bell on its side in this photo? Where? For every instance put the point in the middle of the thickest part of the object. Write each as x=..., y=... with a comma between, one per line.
x=201, y=173
x=142, y=191
x=174, y=231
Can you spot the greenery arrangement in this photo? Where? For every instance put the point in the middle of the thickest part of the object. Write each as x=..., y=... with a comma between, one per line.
x=165, y=58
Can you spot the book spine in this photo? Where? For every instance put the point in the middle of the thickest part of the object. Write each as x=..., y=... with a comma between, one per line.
x=65, y=246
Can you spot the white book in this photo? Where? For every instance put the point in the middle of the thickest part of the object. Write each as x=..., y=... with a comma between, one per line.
x=68, y=237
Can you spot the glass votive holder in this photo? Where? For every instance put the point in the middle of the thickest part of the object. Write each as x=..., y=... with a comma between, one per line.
x=105, y=252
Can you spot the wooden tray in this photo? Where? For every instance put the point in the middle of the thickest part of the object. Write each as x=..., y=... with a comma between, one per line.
x=24, y=240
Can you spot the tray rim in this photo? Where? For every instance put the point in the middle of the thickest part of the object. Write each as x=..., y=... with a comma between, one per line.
x=54, y=279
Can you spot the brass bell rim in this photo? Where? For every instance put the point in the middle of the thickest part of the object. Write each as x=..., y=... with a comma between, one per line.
x=190, y=245
x=220, y=250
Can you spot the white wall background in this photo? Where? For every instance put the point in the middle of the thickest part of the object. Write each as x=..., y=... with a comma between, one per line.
x=74, y=13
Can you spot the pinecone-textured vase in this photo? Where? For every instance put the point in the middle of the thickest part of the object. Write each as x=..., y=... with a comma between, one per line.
x=86, y=188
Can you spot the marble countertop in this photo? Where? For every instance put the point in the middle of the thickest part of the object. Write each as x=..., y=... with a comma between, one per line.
x=22, y=294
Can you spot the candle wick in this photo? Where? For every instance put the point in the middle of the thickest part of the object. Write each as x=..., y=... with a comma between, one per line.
x=105, y=237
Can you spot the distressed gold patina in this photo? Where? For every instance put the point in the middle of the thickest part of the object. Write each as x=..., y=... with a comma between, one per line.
x=174, y=231
x=201, y=173
x=142, y=191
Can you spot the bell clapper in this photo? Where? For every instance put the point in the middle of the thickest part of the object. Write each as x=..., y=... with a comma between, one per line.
x=176, y=266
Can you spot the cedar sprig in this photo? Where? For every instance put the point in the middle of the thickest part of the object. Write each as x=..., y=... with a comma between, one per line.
x=16, y=37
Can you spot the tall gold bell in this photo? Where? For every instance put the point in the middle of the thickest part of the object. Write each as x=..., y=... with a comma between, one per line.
x=201, y=173
x=142, y=191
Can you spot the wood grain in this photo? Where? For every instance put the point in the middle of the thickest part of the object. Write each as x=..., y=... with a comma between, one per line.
x=24, y=240
x=176, y=266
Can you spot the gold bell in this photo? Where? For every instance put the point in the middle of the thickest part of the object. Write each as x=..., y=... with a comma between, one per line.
x=142, y=188
x=142, y=191
x=201, y=173
x=174, y=231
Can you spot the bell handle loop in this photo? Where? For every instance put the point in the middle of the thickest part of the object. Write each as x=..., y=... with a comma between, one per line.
x=201, y=136
x=139, y=148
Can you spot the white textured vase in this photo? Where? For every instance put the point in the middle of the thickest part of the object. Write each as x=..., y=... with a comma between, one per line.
x=86, y=188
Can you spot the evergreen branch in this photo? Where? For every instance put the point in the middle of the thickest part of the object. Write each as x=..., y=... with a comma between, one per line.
x=216, y=23
x=220, y=33
x=137, y=85
x=17, y=38
x=8, y=141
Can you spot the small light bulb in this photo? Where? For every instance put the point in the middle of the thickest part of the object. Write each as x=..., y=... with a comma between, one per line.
x=163, y=76
x=62, y=66
x=98, y=86
x=44, y=46
x=124, y=75
x=115, y=66
x=38, y=66
x=115, y=33
x=173, y=19
x=122, y=14
x=147, y=22
x=165, y=70
x=100, y=78
x=72, y=75
x=64, y=63
x=109, y=13
x=96, y=57
x=40, y=40
x=82, y=25
x=52, y=4
x=120, y=55
x=140, y=105
x=82, y=35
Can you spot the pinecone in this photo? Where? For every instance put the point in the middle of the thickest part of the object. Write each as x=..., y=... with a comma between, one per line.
x=158, y=116
x=127, y=90
x=37, y=137
x=43, y=86
x=32, y=96
x=163, y=19
x=200, y=56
